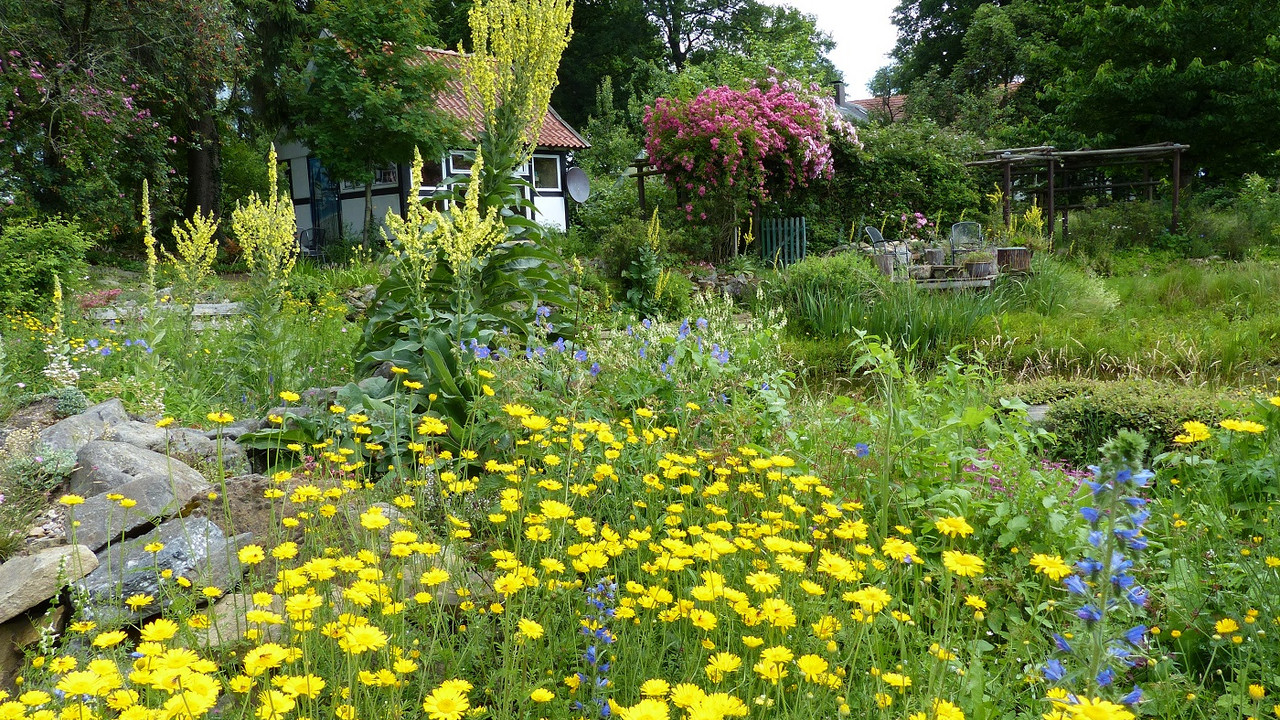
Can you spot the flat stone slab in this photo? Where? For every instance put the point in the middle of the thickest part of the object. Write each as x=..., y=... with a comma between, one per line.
x=194, y=548
x=102, y=520
x=27, y=581
x=73, y=433
x=1037, y=413
x=105, y=465
x=186, y=442
x=199, y=310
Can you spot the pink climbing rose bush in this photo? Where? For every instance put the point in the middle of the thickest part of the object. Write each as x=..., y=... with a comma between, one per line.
x=742, y=146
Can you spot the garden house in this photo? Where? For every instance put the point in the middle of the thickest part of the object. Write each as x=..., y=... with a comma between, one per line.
x=327, y=210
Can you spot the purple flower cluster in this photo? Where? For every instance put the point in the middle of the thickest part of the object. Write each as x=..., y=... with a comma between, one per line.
x=1103, y=583
x=594, y=681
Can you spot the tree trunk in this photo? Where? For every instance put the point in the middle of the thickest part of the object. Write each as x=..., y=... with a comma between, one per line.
x=368, y=211
x=204, y=158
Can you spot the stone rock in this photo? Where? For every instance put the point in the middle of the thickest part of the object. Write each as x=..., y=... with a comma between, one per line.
x=16, y=635
x=40, y=414
x=29, y=580
x=75, y=432
x=102, y=520
x=106, y=465
x=321, y=396
x=184, y=443
x=250, y=511
x=194, y=548
x=233, y=432
x=228, y=624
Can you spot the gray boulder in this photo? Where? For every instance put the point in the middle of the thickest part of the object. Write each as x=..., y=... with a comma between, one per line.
x=233, y=432
x=75, y=432
x=194, y=548
x=17, y=635
x=186, y=443
x=229, y=623
x=27, y=581
x=105, y=465
x=102, y=520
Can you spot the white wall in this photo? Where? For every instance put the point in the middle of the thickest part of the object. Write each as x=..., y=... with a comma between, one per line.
x=300, y=178
x=551, y=213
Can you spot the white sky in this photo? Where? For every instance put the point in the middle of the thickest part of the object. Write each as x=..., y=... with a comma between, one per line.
x=863, y=34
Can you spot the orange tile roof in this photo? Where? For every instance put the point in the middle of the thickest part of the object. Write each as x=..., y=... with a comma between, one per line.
x=893, y=105
x=555, y=133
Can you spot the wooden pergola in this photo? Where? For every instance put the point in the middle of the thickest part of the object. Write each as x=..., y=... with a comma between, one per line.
x=1060, y=179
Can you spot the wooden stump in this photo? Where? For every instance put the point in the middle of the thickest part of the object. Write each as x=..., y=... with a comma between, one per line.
x=1013, y=259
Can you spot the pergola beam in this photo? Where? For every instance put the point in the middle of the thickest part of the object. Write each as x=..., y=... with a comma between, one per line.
x=1033, y=160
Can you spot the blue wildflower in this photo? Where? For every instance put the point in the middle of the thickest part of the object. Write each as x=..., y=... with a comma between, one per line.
x=1076, y=585
x=1054, y=671
x=1061, y=642
x=861, y=450
x=580, y=355
x=1089, y=613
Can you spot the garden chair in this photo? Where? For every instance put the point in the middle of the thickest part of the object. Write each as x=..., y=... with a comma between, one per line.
x=966, y=237
x=878, y=243
x=311, y=243
x=880, y=247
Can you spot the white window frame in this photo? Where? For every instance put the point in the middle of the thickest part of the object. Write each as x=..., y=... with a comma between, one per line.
x=559, y=186
x=348, y=186
x=455, y=170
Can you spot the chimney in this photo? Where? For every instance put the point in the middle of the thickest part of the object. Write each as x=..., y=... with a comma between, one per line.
x=839, y=86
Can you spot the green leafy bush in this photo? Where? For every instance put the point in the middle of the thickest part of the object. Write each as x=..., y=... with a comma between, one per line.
x=1084, y=413
x=33, y=253
x=674, y=302
x=1229, y=234
x=1101, y=231
x=901, y=167
x=70, y=401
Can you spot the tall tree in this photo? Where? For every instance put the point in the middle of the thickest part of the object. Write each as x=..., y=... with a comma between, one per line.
x=763, y=36
x=690, y=25
x=98, y=95
x=1206, y=74
x=931, y=35
x=366, y=96
x=611, y=38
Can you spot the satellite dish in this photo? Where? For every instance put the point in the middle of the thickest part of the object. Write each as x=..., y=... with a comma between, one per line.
x=578, y=184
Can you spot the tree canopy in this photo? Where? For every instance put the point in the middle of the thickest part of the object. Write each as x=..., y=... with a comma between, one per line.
x=1098, y=72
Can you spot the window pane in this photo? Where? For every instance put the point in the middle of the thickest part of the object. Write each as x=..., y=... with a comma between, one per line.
x=389, y=175
x=432, y=174
x=546, y=173
x=460, y=163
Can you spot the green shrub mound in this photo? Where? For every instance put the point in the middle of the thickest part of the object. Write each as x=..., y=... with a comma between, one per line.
x=1084, y=413
x=33, y=253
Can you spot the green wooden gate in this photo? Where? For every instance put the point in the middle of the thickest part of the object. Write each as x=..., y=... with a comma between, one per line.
x=782, y=240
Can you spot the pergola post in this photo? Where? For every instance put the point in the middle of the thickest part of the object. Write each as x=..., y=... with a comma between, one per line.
x=1008, y=194
x=644, y=207
x=1049, y=199
x=1177, y=188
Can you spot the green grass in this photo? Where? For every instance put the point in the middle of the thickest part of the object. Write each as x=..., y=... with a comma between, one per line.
x=1196, y=323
